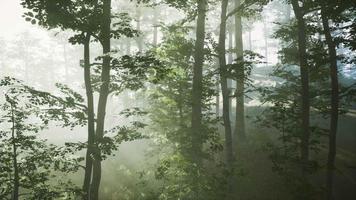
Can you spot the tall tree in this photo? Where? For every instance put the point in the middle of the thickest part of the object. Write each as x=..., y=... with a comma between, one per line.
x=91, y=120
x=226, y=97
x=240, y=80
x=334, y=112
x=197, y=92
x=299, y=12
x=103, y=96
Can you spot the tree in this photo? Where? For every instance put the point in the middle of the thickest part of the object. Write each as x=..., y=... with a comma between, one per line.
x=240, y=82
x=332, y=10
x=169, y=111
x=198, y=81
x=226, y=97
x=27, y=163
x=305, y=109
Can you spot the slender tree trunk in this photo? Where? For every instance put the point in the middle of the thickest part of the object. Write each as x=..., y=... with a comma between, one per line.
x=16, y=186
x=226, y=97
x=198, y=82
x=334, y=105
x=104, y=92
x=229, y=61
x=91, y=120
x=240, y=81
x=304, y=71
x=197, y=92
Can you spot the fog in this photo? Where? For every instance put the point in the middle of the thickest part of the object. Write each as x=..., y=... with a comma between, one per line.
x=144, y=144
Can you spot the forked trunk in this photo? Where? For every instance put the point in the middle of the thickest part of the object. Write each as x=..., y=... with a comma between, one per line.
x=226, y=100
x=104, y=93
x=91, y=121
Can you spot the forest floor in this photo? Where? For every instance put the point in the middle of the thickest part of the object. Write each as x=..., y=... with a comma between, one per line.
x=261, y=183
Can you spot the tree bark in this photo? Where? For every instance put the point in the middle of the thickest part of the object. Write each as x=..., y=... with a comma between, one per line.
x=226, y=97
x=104, y=92
x=91, y=120
x=240, y=81
x=198, y=82
x=304, y=71
x=334, y=113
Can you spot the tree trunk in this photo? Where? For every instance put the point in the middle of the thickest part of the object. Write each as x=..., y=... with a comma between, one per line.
x=334, y=105
x=91, y=120
x=226, y=97
x=240, y=81
x=104, y=92
x=16, y=186
x=304, y=71
x=198, y=82
x=230, y=59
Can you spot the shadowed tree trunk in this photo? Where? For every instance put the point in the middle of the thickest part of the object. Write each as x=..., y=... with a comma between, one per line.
x=104, y=92
x=198, y=82
x=230, y=59
x=226, y=97
x=240, y=81
x=305, y=112
x=91, y=120
x=334, y=105
x=217, y=88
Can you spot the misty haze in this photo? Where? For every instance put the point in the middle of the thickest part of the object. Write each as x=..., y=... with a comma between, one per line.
x=177, y=100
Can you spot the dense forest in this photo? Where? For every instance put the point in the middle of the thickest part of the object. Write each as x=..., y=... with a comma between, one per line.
x=178, y=99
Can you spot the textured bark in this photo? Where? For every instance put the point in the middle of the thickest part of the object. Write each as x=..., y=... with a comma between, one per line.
x=91, y=121
x=240, y=81
x=226, y=97
x=198, y=82
x=104, y=92
x=334, y=113
x=304, y=71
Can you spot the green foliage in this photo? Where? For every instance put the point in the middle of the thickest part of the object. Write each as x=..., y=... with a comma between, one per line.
x=24, y=159
x=170, y=117
x=283, y=106
x=81, y=16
